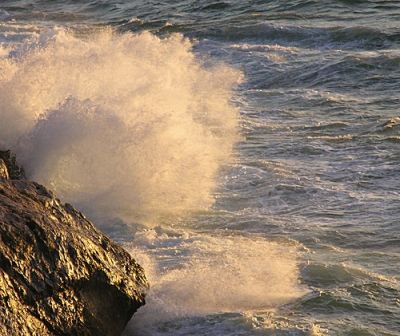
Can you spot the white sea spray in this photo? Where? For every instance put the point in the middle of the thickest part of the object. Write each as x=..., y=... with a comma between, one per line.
x=127, y=125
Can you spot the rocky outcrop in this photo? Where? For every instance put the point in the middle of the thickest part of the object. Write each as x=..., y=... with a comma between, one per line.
x=14, y=171
x=3, y=170
x=59, y=275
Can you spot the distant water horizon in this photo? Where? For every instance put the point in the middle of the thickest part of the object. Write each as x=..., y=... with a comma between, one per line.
x=247, y=154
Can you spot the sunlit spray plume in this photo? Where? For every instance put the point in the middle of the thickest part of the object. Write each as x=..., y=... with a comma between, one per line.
x=124, y=125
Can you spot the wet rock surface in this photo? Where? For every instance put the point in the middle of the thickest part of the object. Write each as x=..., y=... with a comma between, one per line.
x=10, y=162
x=3, y=170
x=59, y=275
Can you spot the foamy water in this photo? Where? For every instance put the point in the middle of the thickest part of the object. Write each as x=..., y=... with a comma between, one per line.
x=215, y=274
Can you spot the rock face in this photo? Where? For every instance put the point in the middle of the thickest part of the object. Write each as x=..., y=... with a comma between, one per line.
x=3, y=170
x=14, y=172
x=59, y=275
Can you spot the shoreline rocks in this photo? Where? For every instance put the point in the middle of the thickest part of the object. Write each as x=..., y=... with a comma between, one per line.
x=59, y=275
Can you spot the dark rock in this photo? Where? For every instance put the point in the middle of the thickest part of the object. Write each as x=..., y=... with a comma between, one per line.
x=3, y=170
x=59, y=275
x=14, y=171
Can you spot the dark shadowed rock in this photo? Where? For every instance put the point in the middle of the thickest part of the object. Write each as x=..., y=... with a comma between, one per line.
x=14, y=171
x=59, y=275
x=3, y=170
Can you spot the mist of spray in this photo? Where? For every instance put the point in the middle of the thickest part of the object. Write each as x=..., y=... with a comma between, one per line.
x=123, y=125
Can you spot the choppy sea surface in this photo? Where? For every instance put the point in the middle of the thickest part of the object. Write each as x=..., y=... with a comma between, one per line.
x=246, y=152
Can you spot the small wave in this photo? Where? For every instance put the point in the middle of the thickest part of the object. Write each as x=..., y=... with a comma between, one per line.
x=322, y=275
x=327, y=126
x=334, y=138
x=379, y=60
x=278, y=168
x=389, y=129
x=340, y=300
x=330, y=97
x=394, y=139
x=4, y=14
x=216, y=6
x=392, y=123
x=135, y=20
x=348, y=67
x=306, y=36
x=333, y=274
x=273, y=52
x=265, y=47
x=365, y=36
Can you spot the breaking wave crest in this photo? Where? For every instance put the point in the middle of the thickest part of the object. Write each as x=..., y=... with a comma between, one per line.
x=123, y=125
x=215, y=274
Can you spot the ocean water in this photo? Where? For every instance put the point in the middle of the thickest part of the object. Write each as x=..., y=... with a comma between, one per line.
x=247, y=153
